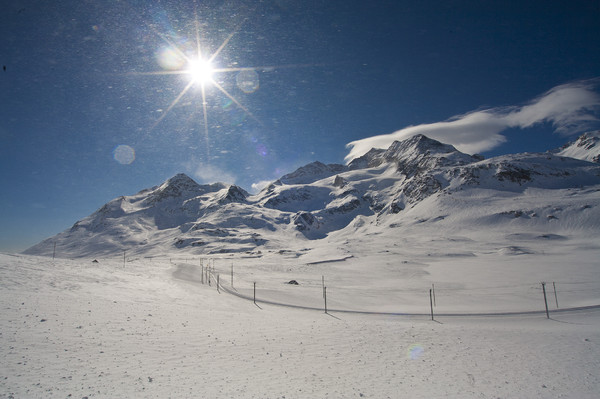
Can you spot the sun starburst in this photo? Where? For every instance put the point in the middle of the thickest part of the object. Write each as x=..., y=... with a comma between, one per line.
x=202, y=68
x=202, y=71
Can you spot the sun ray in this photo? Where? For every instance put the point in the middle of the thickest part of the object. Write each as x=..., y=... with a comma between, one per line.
x=158, y=73
x=225, y=42
x=197, y=26
x=171, y=45
x=186, y=88
x=205, y=113
x=218, y=86
x=268, y=67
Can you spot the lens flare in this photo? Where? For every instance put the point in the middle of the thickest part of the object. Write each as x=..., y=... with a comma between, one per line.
x=262, y=150
x=124, y=154
x=170, y=59
x=247, y=81
x=415, y=351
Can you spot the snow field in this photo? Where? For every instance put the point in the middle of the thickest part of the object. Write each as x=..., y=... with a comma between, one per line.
x=143, y=329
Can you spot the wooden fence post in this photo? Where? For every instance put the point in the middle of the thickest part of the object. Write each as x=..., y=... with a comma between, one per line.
x=431, y=302
x=545, y=300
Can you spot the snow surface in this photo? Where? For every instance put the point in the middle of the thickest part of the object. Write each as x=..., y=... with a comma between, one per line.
x=149, y=328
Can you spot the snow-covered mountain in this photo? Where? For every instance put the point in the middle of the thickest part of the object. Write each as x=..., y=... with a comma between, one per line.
x=586, y=147
x=418, y=183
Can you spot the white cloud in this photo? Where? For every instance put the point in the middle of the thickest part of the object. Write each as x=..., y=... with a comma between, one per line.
x=571, y=108
x=256, y=187
x=205, y=173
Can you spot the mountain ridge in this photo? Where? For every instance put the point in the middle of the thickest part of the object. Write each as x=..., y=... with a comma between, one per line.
x=323, y=202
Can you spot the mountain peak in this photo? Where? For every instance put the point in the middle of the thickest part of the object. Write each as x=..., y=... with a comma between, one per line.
x=233, y=194
x=586, y=147
x=181, y=179
x=176, y=186
x=418, y=144
x=312, y=172
x=414, y=153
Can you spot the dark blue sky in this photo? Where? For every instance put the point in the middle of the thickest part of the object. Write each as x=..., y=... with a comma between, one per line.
x=81, y=80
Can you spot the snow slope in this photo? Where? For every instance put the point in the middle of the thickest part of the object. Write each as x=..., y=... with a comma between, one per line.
x=151, y=329
x=586, y=147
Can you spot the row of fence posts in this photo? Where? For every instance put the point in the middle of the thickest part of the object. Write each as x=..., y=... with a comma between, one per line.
x=546, y=299
x=209, y=271
x=254, y=290
x=432, y=303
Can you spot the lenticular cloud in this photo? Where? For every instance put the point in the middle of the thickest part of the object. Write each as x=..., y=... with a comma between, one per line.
x=570, y=108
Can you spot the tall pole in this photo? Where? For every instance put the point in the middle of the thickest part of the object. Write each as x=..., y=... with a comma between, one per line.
x=325, y=297
x=433, y=290
x=255, y=292
x=545, y=300
x=54, y=251
x=431, y=302
x=555, y=296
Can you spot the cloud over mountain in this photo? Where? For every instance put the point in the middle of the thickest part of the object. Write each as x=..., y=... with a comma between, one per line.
x=570, y=108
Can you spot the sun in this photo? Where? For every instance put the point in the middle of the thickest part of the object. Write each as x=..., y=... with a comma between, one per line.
x=200, y=71
x=193, y=58
x=177, y=57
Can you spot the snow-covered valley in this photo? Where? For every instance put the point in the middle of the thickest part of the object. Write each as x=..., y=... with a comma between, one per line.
x=149, y=328
x=120, y=305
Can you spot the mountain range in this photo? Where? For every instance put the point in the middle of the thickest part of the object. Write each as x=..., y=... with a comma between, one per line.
x=418, y=187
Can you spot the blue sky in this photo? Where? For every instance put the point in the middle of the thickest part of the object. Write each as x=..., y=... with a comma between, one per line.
x=97, y=101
